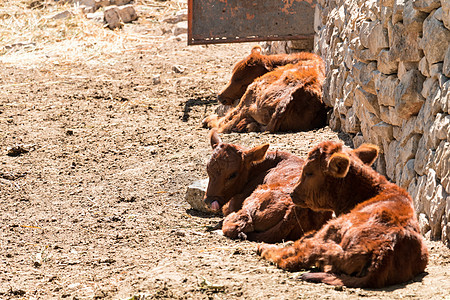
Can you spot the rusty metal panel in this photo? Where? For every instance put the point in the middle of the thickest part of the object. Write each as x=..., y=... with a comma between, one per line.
x=230, y=21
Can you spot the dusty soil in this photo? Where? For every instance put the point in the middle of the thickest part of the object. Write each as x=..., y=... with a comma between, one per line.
x=96, y=209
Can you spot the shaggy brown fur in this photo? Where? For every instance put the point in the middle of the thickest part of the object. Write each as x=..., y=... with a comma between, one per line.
x=252, y=187
x=375, y=239
x=288, y=98
x=254, y=66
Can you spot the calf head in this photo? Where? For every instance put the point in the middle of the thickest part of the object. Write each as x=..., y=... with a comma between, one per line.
x=228, y=170
x=244, y=73
x=325, y=170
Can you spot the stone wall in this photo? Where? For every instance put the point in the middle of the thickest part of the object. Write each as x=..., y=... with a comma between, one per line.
x=388, y=69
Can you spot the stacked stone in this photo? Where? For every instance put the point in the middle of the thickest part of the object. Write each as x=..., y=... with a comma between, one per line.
x=388, y=71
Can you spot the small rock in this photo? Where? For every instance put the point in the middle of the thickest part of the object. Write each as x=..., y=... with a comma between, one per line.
x=96, y=16
x=86, y=9
x=18, y=150
x=61, y=15
x=156, y=79
x=178, y=69
x=20, y=45
x=106, y=260
x=115, y=16
x=120, y=2
x=84, y=2
x=178, y=17
x=101, y=3
x=127, y=13
x=180, y=28
x=195, y=194
x=112, y=17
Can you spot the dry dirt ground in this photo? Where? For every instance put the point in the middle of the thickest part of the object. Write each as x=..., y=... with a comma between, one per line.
x=95, y=208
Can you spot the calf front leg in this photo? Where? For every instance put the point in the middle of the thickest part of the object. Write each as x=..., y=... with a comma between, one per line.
x=303, y=254
x=284, y=257
x=237, y=224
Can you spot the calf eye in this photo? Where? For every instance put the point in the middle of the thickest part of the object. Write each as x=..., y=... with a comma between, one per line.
x=233, y=175
x=308, y=174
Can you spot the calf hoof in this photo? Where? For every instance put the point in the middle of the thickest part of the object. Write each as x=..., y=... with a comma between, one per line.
x=207, y=122
x=263, y=249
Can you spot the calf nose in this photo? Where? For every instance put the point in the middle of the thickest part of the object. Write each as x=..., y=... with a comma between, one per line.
x=297, y=200
x=213, y=203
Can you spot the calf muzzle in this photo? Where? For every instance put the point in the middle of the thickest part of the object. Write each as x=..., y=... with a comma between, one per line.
x=297, y=200
x=213, y=202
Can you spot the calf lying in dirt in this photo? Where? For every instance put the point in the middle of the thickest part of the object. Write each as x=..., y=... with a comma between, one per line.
x=252, y=187
x=288, y=98
x=374, y=241
x=256, y=65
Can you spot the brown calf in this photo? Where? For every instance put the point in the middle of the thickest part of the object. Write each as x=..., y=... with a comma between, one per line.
x=286, y=99
x=256, y=65
x=375, y=239
x=252, y=187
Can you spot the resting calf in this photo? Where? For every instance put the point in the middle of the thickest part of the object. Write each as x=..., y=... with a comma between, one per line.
x=256, y=65
x=375, y=239
x=252, y=187
x=286, y=99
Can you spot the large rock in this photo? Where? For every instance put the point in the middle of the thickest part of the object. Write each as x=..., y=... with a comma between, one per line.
x=387, y=63
x=446, y=65
x=429, y=87
x=364, y=31
x=422, y=156
x=435, y=41
x=413, y=18
x=409, y=149
x=397, y=14
x=440, y=127
x=378, y=39
x=408, y=174
x=363, y=74
x=408, y=99
x=386, y=90
x=406, y=131
x=405, y=66
x=417, y=193
x=385, y=15
x=436, y=211
x=391, y=156
x=383, y=130
x=352, y=123
x=426, y=5
x=404, y=44
x=424, y=68
x=446, y=14
x=390, y=115
x=368, y=101
x=441, y=162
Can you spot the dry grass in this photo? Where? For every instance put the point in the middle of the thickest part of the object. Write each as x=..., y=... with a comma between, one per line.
x=28, y=34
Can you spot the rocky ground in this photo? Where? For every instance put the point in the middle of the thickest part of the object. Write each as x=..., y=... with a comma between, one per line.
x=108, y=123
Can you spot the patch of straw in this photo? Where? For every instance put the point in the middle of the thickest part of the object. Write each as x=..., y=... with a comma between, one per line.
x=29, y=36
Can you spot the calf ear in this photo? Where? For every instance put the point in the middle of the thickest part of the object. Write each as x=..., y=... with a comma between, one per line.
x=368, y=153
x=214, y=138
x=256, y=49
x=338, y=165
x=256, y=154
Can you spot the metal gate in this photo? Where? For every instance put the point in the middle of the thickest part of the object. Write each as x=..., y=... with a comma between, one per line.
x=232, y=21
